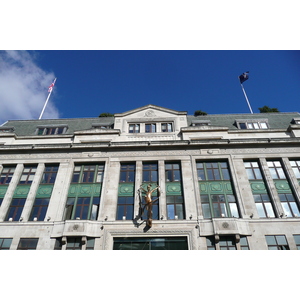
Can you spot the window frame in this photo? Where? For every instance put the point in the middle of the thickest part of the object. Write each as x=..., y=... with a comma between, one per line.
x=275, y=167
x=218, y=171
x=8, y=174
x=39, y=211
x=51, y=130
x=173, y=173
x=284, y=198
x=175, y=207
x=150, y=127
x=129, y=170
x=29, y=172
x=126, y=208
x=82, y=175
x=168, y=125
x=5, y=240
x=27, y=242
x=136, y=128
x=75, y=210
x=15, y=209
x=253, y=124
x=50, y=173
x=277, y=245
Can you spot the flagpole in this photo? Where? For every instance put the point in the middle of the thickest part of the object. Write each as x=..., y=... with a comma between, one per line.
x=47, y=99
x=246, y=98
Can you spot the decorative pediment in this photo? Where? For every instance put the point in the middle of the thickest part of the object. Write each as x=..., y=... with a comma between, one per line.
x=150, y=111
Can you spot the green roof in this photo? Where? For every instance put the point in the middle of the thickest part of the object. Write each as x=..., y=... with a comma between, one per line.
x=275, y=120
x=28, y=127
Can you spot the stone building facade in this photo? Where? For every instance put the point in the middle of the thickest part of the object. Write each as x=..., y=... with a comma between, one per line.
x=225, y=182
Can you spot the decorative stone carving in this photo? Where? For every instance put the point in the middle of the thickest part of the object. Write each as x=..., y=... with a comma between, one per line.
x=150, y=114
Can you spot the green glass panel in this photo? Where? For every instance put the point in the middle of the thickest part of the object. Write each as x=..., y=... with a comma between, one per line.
x=282, y=186
x=44, y=190
x=126, y=189
x=3, y=190
x=173, y=188
x=21, y=191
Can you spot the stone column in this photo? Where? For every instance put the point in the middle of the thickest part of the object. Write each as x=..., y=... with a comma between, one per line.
x=188, y=190
x=60, y=191
x=110, y=193
x=162, y=184
x=32, y=192
x=10, y=191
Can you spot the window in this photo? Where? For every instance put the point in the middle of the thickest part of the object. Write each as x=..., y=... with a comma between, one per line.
x=7, y=174
x=175, y=207
x=213, y=171
x=244, y=243
x=253, y=170
x=83, y=208
x=74, y=243
x=289, y=205
x=166, y=127
x=78, y=242
x=297, y=240
x=218, y=206
x=252, y=124
x=125, y=208
x=49, y=174
x=90, y=244
x=134, y=128
x=296, y=167
x=5, y=244
x=88, y=174
x=217, y=197
x=158, y=243
x=1, y=199
x=51, y=130
x=150, y=172
x=264, y=206
x=201, y=122
x=28, y=174
x=15, y=209
x=227, y=242
x=7, y=129
x=28, y=244
x=39, y=209
x=173, y=172
x=127, y=173
x=150, y=127
x=277, y=242
x=101, y=126
x=276, y=170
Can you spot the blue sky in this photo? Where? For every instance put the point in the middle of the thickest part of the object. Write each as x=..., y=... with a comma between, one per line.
x=90, y=82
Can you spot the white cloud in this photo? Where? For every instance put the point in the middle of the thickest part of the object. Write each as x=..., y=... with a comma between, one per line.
x=24, y=88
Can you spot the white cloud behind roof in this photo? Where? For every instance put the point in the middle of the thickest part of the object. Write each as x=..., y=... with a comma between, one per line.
x=24, y=87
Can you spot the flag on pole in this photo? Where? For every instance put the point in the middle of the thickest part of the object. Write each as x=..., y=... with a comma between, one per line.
x=51, y=86
x=244, y=77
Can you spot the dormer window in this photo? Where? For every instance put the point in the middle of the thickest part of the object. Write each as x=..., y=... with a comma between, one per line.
x=252, y=124
x=6, y=129
x=201, y=122
x=101, y=126
x=51, y=130
x=134, y=128
x=150, y=127
x=296, y=121
x=166, y=127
